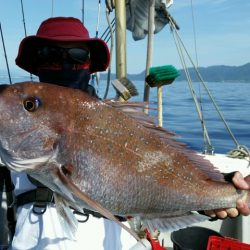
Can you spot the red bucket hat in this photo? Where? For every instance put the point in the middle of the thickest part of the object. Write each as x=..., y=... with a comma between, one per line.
x=62, y=29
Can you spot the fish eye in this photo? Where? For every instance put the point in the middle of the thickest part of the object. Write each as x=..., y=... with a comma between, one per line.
x=31, y=104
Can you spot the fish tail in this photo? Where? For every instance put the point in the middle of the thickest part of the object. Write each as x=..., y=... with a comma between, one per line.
x=224, y=195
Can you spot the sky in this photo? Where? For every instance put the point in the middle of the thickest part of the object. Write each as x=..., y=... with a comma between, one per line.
x=219, y=28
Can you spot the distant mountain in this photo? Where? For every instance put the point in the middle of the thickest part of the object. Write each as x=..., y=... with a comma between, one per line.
x=219, y=73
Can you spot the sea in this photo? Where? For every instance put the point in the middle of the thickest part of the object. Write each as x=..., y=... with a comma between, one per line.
x=180, y=115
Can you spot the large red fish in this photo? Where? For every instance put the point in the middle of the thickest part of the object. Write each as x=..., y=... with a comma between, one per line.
x=94, y=155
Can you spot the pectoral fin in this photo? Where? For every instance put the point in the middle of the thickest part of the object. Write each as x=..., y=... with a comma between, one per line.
x=67, y=219
x=92, y=203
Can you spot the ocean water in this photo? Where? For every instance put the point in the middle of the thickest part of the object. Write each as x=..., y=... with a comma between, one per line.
x=180, y=114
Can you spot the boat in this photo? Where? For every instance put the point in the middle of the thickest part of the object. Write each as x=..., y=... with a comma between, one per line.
x=138, y=16
x=141, y=22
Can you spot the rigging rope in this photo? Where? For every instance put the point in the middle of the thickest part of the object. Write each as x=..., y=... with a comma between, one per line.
x=109, y=31
x=110, y=26
x=25, y=32
x=209, y=94
x=110, y=5
x=24, y=26
x=208, y=145
x=96, y=76
x=241, y=150
x=194, y=32
x=98, y=19
x=52, y=8
x=83, y=11
x=5, y=54
x=109, y=34
x=197, y=64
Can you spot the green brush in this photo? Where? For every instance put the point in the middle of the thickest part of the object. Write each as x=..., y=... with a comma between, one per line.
x=157, y=77
x=161, y=75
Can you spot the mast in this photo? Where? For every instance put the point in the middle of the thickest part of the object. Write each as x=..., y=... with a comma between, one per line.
x=120, y=15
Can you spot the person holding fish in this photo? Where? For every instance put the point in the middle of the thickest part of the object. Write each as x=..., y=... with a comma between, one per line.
x=62, y=53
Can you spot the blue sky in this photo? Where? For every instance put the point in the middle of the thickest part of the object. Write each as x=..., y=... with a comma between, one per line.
x=222, y=29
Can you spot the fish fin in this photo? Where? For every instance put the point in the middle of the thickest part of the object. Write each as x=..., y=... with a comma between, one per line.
x=170, y=224
x=93, y=204
x=67, y=219
x=135, y=110
x=63, y=189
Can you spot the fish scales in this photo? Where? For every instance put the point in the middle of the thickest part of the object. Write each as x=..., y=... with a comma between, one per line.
x=116, y=160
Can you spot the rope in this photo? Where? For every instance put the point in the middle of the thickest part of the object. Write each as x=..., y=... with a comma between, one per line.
x=24, y=26
x=110, y=5
x=106, y=36
x=210, y=95
x=96, y=75
x=151, y=13
x=83, y=10
x=98, y=19
x=197, y=64
x=52, y=8
x=110, y=26
x=5, y=54
x=194, y=32
x=208, y=148
x=241, y=150
x=109, y=31
x=25, y=32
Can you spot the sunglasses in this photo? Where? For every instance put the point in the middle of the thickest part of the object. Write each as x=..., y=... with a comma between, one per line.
x=58, y=54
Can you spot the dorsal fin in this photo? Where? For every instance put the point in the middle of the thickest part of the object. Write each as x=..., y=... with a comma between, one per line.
x=135, y=110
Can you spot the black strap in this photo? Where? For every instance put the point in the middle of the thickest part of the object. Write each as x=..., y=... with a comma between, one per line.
x=39, y=196
x=43, y=195
x=7, y=186
x=229, y=176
